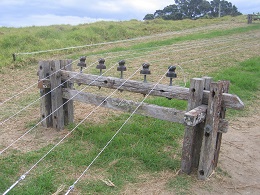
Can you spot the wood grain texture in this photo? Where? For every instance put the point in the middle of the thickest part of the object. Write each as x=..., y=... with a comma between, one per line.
x=195, y=100
x=45, y=108
x=163, y=113
x=182, y=93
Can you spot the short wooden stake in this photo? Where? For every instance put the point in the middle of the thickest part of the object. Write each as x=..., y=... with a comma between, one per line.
x=195, y=99
x=206, y=163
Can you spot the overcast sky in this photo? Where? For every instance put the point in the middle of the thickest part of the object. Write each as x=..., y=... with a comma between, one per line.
x=19, y=13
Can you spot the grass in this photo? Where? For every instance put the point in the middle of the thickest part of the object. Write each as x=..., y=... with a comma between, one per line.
x=139, y=148
x=16, y=40
x=144, y=145
x=180, y=184
x=244, y=79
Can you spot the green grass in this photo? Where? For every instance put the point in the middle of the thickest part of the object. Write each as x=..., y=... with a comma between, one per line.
x=181, y=184
x=153, y=45
x=138, y=148
x=244, y=81
x=16, y=40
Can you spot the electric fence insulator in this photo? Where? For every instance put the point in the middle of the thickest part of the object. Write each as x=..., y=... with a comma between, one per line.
x=171, y=73
x=82, y=63
x=145, y=71
x=121, y=68
x=101, y=65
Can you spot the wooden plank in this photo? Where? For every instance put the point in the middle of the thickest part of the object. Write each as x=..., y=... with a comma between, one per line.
x=68, y=107
x=195, y=100
x=174, y=92
x=163, y=113
x=45, y=109
x=206, y=162
x=56, y=95
x=195, y=116
x=222, y=128
x=200, y=130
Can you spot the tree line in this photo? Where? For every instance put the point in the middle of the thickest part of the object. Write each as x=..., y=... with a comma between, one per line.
x=194, y=9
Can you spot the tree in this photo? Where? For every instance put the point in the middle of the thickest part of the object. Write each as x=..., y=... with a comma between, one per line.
x=148, y=17
x=194, y=9
x=226, y=8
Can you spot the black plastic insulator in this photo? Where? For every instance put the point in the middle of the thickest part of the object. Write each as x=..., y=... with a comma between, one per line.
x=171, y=72
x=101, y=64
x=121, y=66
x=145, y=69
x=82, y=62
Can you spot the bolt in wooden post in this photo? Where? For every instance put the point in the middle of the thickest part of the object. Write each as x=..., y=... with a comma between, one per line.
x=45, y=110
x=56, y=95
x=68, y=107
x=194, y=100
x=206, y=163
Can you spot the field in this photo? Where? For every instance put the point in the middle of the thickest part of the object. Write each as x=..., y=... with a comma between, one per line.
x=144, y=158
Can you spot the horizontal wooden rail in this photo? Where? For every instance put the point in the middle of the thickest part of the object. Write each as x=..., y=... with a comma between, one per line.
x=181, y=93
x=163, y=113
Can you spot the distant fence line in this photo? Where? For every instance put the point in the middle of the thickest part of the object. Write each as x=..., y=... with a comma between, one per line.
x=251, y=17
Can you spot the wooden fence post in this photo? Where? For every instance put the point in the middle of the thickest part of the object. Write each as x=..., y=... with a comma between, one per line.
x=200, y=130
x=56, y=95
x=206, y=163
x=222, y=116
x=68, y=107
x=249, y=19
x=45, y=110
x=194, y=100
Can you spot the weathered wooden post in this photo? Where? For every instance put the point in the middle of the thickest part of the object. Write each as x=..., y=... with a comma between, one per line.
x=68, y=107
x=200, y=129
x=194, y=100
x=53, y=106
x=249, y=19
x=221, y=128
x=56, y=95
x=206, y=163
x=45, y=110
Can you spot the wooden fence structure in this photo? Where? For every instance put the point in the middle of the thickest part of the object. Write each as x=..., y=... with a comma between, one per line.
x=204, y=119
x=251, y=17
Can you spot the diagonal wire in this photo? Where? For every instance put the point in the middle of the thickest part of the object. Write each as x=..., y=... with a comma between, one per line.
x=24, y=108
x=27, y=172
x=2, y=151
x=10, y=98
x=83, y=173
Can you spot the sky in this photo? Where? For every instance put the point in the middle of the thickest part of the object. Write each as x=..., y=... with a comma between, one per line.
x=21, y=13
